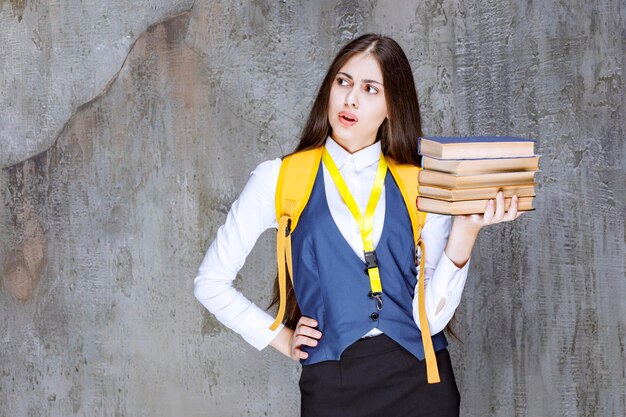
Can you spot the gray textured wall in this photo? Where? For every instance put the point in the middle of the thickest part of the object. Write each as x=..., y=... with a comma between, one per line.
x=123, y=145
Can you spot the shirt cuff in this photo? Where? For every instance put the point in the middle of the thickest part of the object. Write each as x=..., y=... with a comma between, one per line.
x=253, y=324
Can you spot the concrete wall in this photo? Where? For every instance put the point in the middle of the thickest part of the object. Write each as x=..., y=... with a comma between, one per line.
x=128, y=131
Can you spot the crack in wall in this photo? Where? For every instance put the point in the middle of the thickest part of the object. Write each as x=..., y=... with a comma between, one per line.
x=107, y=87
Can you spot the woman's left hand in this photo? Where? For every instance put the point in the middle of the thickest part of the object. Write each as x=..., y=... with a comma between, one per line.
x=494, y=213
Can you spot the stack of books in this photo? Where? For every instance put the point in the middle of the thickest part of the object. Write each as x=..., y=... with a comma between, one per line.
x=461, y=174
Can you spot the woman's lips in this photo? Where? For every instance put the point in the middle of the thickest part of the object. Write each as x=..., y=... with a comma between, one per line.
x=347, y=119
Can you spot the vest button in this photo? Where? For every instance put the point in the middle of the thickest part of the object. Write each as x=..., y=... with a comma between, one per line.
x=374, y=316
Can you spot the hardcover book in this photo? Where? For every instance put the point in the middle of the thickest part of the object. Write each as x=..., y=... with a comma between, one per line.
x=481, y=165
x=498, y=179
x=450, y=194
x=472, y=147
x=430, y=205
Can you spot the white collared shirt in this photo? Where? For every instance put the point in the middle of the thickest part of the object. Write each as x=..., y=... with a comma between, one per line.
x=255, y=211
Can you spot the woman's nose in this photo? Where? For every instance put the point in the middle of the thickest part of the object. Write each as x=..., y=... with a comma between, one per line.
x=351, y=99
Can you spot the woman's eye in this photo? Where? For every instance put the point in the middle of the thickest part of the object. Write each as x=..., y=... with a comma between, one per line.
x=371, y=89
x=341, y=80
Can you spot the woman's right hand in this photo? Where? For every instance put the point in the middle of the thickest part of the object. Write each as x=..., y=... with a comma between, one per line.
x=304, y=334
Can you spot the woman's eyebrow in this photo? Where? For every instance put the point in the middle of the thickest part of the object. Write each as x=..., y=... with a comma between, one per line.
x=364, y=80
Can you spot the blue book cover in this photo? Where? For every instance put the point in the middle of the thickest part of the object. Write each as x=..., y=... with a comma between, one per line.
x=474, y=139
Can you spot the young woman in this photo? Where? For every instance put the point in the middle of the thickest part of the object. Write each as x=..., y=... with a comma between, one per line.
x=355, y=361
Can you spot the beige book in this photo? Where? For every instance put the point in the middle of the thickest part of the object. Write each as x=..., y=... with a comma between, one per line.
x=480, y=166
x=499, y=179
x=476, y=147
x=447, y=194
x=430, y=205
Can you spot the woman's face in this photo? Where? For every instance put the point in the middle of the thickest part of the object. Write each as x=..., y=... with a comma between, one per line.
x=357, y=106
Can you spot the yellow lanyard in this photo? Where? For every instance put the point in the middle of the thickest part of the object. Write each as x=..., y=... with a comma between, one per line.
x=365, y=223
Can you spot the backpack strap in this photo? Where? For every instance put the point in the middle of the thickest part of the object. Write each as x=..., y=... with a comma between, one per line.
x=406, y=176
x=300, y=169
x=295, y=182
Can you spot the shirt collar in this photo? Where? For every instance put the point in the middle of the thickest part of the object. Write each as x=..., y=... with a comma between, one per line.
x=362, y=158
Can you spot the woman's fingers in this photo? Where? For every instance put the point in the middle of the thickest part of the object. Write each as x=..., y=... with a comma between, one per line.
x=513, y=212
x=307, y=336
x=307, y=321
x=308, y=331
x=304, y=334
x=495, y=212
x=510, y=215
x=489, y=212
x=298, y=343
x=306, y=327
x=498, y=215
x=305, y=340
x=499, y=208
x=300, y=340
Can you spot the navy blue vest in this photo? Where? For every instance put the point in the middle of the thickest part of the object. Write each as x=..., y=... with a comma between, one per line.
x=332, y=286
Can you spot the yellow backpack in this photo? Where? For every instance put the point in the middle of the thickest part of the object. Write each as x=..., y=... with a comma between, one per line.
x=295, y=182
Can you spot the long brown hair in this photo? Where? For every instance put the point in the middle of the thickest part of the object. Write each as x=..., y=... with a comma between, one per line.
x=398, y=133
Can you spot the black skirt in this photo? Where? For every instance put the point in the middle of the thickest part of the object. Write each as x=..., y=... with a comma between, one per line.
x=377, y=377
